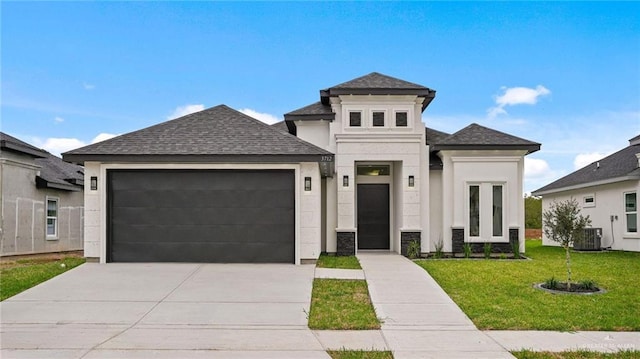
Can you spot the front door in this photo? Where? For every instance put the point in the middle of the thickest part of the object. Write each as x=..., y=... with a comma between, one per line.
x=373, y=216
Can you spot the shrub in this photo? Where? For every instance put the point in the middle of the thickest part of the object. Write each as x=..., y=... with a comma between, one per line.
x=487, y=250
x=439, y=247
x=551, y=283
x=413, y=250
x=467, y=250
x=588, y=284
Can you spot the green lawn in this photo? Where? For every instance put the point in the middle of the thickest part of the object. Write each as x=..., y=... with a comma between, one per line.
x=527, y=354
x=499, y=294
x=359, y=354
x=342, y=262
x=340, y=304
x=20, y=275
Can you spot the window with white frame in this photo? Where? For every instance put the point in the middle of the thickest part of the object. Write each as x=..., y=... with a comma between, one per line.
x=486, y=210
x=589, y=201
x=52, y=218
x=355, y=119
x=631, y=211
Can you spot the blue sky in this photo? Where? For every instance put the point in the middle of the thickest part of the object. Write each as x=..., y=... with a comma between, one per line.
x=564, y=74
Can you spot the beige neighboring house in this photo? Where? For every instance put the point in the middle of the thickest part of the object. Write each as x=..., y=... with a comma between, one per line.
x=42, y=200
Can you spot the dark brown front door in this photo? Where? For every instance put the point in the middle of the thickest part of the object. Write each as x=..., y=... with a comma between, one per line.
x=373, y=216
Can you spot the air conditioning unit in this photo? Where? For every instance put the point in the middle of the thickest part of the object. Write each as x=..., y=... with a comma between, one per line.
x=591, y=241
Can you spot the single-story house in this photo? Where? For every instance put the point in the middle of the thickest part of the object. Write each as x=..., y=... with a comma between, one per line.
x=42, y=200
x=356, y=170
x=608, y=192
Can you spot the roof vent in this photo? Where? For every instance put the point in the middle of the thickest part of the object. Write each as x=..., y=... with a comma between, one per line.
x=597, y=164
x=638, y=157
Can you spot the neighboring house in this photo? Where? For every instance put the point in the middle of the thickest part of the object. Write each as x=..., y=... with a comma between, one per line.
x=42, y=200
x=356, y=170
x=608, y=191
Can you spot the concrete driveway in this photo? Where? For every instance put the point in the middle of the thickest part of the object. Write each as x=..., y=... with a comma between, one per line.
x=161, y=310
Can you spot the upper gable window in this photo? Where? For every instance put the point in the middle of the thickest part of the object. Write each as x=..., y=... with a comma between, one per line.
x=401, y=119
x=378, y=119
x=355, y=119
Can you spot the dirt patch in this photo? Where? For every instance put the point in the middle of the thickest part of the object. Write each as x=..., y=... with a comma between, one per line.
x=533, y=233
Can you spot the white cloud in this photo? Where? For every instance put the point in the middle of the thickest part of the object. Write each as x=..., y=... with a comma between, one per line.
x=536, y=168
x=264, y=117
x=88, y=86
x=58, y=119
x=103, y=137
x=185, y=110
x=59, y=145
x=516, y=96
x=584, y=159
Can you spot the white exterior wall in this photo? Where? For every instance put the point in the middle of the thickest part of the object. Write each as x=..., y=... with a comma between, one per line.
x=316, y=132
x=609, y=201
x=462, y=168
x=307, y=211
x=402, y=147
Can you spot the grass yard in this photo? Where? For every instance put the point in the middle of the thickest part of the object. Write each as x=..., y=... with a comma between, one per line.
x=342, y=262
x=359, y=354
x=500, y=295
x=22, y=274
x=340, y=304
x=527, y=354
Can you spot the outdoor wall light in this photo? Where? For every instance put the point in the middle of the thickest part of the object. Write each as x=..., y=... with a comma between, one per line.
x=94, y=183
x=412, y=181
x=307, y=183
x=345, y=181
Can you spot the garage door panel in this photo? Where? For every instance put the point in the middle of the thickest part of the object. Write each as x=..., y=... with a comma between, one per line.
x=204, y=198
x=201, y=216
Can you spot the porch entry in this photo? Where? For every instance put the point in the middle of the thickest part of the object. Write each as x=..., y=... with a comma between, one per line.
x=373, y=216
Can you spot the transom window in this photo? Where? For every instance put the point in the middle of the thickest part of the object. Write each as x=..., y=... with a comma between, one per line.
x=355, y=119
x=401, y=119
x=486, y=210
x=373, y=170
x=378, y=119
x=631, y=211
x=52, y=218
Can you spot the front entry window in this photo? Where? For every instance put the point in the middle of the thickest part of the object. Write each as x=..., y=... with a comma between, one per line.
x=486, y=211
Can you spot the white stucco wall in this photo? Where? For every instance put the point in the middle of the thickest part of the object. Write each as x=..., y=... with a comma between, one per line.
x=315, y=132
x=462, y=168
x=308, y=215
x=609, y=201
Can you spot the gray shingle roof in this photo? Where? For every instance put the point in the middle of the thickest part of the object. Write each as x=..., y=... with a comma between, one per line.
x=377, y=80
x=378, y=84
x=434, y=136
x=58, y=174
x=10, y=143
x=281, y=126
x=476, y=137
x=219, y=134
x=316, y=108
x=620, y=165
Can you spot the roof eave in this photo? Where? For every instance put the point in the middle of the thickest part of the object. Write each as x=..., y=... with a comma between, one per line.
x=146, y=158
x=529, y=148
x=311, y=117
x=542, y=191
x=43, y=183
x=23, y=149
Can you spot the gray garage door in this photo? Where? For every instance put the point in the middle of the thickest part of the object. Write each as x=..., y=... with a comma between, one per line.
x=221, y=216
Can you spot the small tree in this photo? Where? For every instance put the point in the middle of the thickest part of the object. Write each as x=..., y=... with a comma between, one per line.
x=564, y=224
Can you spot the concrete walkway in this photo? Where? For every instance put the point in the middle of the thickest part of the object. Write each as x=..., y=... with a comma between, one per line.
x=420, y=320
